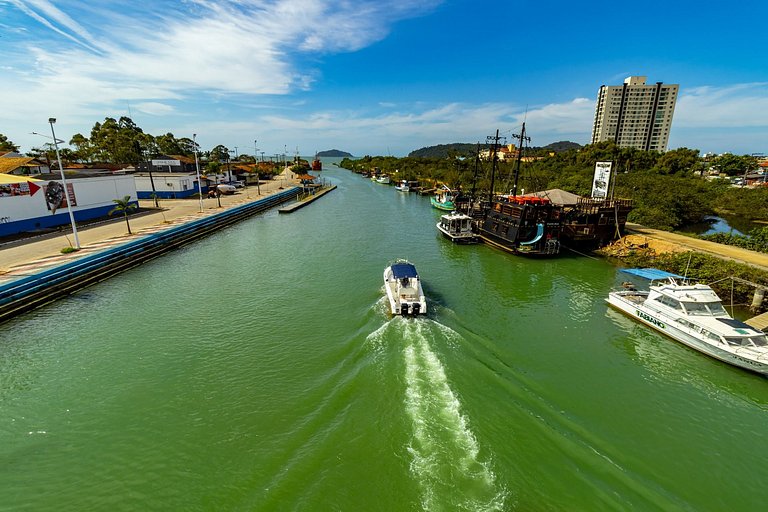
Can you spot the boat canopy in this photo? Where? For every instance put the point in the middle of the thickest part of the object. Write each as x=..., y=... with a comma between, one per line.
x=652, y=274
x=401, y=270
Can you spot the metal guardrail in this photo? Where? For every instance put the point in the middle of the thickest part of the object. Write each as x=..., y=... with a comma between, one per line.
x=36, y=290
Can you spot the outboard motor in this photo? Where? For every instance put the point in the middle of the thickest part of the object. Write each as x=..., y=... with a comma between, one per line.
x=404, y=309
x=416, y=308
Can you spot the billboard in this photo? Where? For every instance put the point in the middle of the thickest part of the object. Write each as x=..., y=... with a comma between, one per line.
x=601, y=180
x=169, y=163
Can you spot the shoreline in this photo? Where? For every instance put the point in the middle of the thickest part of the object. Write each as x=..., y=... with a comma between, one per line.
x=16, y=257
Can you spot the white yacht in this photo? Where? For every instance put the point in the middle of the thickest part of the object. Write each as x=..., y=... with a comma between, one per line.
x=693, y=315
x=457, y=227
x=404, y=291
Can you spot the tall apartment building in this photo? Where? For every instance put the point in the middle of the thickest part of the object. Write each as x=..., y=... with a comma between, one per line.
x=635, y=114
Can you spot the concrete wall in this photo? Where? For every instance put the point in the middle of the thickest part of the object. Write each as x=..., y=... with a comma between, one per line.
x=93, y=196
x=167, y=185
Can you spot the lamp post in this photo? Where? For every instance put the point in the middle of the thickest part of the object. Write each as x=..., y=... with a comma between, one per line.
x=51, y=121
x=197, y=170
x=258, y=169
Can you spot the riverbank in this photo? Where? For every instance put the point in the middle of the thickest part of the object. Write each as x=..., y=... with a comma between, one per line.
x=667, y=242
x=20, y=257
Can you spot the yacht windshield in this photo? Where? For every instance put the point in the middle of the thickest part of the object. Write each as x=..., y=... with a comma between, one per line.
x=716, y=308
x=703, y=308
x=748, y=341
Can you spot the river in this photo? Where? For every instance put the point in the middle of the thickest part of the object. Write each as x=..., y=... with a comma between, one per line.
x=257, y=369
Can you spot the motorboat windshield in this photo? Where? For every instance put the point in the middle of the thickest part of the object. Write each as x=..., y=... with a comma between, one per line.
x=747, y=341
x=704, y=308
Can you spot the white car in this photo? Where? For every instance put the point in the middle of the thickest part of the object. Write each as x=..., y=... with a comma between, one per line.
x=226, y=189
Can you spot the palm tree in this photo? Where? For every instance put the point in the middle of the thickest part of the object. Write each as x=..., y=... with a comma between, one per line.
x=123, y=205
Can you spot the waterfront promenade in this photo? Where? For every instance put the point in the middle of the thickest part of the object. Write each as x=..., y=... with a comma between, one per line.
x=26, y=256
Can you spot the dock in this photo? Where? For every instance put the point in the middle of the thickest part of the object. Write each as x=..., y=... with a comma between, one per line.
x=759, y=322
x=304, y=202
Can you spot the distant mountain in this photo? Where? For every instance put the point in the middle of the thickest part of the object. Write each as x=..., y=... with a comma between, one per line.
x=445, y=150
x=563, y=145
x=334, y=153
x=469, y=149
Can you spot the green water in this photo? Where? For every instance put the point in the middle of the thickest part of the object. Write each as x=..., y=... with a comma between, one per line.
x=258, y=370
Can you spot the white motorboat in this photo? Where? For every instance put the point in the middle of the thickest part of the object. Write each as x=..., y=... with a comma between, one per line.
x=693, y=315
x=382, y=178
x=457, y=227
x=404, y=291
x=403, y=186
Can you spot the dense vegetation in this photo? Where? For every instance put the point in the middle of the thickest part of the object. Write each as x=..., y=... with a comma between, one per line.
x=121, y=142
x=669, y=190
x=755, y=240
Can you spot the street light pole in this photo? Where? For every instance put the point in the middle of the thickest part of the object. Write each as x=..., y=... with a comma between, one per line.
x=197, y=170
x=51, y=121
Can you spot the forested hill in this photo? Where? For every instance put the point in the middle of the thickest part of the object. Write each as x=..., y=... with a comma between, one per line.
x=468, y=149
x=334, y=153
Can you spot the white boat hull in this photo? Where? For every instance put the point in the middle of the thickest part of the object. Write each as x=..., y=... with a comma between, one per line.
x=743, y=357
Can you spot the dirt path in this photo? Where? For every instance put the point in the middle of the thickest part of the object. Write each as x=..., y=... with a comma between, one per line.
x=664, y=241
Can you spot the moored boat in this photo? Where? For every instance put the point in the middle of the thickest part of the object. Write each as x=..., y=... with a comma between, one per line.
x=403, y=287
x=693, y=315
x=382, y=178
x=403, y=186
x=443, y=199
x=457, y=227
x=523, y=225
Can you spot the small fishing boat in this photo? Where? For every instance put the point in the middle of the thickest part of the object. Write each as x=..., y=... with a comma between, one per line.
x=403, y=186
x=317, y=165
x=382, y=178
x=693, y=315
x=443, y=199
x=404, y=291
x=457, y=227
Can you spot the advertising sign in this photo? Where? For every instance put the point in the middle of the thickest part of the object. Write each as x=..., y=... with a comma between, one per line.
x=601, y=180
x=170, y=163
x=56, y=198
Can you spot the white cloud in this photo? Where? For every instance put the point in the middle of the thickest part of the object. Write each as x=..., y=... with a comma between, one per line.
x=738, y=105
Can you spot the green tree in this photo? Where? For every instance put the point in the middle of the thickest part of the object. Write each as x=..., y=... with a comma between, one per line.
x=7, y=145
x=123, y=206
x=734, y=165
x=678, y=161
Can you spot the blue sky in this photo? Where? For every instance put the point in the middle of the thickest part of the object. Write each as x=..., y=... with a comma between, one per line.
x=377, y=76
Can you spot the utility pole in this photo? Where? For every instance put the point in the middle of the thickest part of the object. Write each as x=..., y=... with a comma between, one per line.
x=523, y=139
x=494, y=140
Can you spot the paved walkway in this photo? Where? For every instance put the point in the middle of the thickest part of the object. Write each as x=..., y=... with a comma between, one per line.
x=28, y=256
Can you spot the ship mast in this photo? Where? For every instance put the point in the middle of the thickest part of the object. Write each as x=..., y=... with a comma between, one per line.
x=494, y=149
x=523, y=140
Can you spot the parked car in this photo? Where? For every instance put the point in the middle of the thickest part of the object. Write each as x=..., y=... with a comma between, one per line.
x=226, y=188
x=236, y=184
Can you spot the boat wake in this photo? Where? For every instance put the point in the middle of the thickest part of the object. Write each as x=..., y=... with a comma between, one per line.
x=444, y=452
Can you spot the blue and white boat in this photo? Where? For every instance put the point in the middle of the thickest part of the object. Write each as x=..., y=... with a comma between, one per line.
x=403, y=286
x=693, y=315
